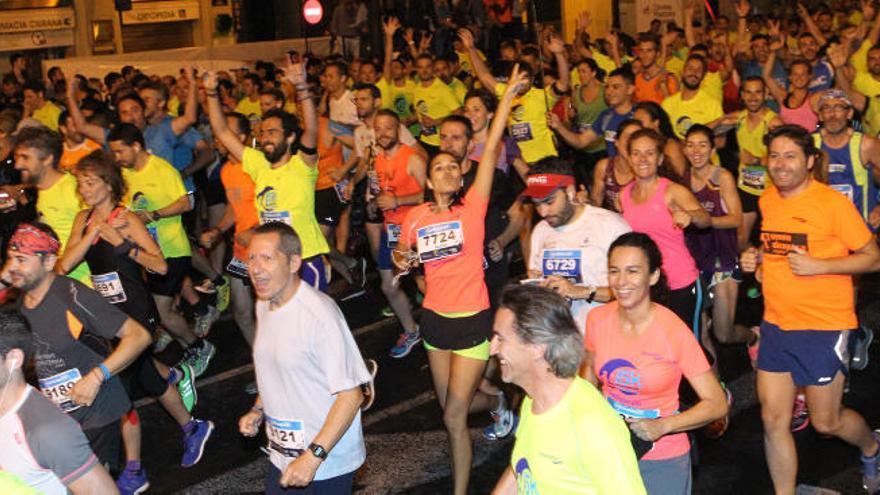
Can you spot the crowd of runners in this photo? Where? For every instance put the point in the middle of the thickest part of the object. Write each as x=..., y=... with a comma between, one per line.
x=569, y=227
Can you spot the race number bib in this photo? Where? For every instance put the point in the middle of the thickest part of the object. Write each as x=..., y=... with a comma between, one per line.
x=845, y=189
x=57, y=389
x=110, y=287
x=275, y=216
x=634, y=412
x=393, y=233
x=237, y=268
x=441, y=240
x=339, y=187
x=287, y=437
x=521, y=132
x=562, y=263
x=753, y=177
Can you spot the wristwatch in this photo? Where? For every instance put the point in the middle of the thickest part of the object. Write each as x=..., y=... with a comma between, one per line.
x=318, y=451
x=155, y=215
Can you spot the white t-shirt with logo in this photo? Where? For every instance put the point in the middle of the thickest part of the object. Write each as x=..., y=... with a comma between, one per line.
x=304, y=354
x=577, y=251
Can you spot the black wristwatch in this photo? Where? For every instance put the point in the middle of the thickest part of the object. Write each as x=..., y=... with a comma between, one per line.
x=318, y=451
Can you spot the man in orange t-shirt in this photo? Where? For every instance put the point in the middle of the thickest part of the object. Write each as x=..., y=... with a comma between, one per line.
x=76, y=145
x=653, y=83
x=241, y=213
x=813, y=241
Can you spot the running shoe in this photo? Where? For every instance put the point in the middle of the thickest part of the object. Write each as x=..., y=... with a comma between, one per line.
x=162, y=341
x=369, y=388
x=870, y=475
x=800, y=415
x=405, y=344
x=200, y=358
x=186, y=385
x=132, y=482
x=194, y=441
x=205, y=321
x=358, y=273
x=716, y=429
x=223, y=294
x=863, y=339
x=251, y=388
x=206, y=287
x=504, y=421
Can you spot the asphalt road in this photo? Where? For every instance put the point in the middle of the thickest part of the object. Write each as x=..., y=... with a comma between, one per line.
x=406, y=443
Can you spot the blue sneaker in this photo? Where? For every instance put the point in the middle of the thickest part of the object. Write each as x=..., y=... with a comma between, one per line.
x=194, y=442
x=132, y=482
x=870, y=475
x=405, y=344
x=504, y=422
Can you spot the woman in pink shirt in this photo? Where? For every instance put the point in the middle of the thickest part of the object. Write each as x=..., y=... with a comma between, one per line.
x=661, y=208
x=638, y=352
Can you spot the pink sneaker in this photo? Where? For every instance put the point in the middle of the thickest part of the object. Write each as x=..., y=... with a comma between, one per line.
x=753, y=347
x=800, y=415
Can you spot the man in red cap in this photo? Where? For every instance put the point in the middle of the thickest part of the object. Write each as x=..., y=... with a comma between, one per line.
x=569, y=247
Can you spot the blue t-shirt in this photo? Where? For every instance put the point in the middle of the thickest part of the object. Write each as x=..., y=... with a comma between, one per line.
x=161, y=140
x=183, y=154
x=779, y=74
x=606, y=125
x=822, y=78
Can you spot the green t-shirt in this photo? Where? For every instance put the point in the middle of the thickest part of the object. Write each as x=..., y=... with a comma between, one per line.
x=287, y=194
x=152, y=188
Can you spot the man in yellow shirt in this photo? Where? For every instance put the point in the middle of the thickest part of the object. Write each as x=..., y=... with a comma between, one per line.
x=693, y=104
x=155, y=192
x=249, y=105
x=434, y=100
x=37, y=153
x=569, y=441
x=527, y=123
x=284, y=180
x=38, y=107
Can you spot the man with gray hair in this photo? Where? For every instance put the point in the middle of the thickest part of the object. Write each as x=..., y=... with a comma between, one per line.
x=569, y=439
x=309, y=372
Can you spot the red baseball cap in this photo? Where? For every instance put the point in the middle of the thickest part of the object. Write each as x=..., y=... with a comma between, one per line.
x=541, y=186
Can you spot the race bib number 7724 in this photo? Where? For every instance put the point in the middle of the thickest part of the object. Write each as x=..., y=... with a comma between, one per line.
x=440, y=240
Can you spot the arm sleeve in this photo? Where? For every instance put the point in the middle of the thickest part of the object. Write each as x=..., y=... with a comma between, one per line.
x=191, y=138
x=612, y=468
x=535, y=242
x=689, y=355
x=849, y=226
x=99, y=316
x=56, y=440
x=337, y=354
x=252, y=162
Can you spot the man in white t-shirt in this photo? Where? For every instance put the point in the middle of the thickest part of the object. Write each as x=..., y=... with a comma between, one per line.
x=569, y=247
x=309, y=372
